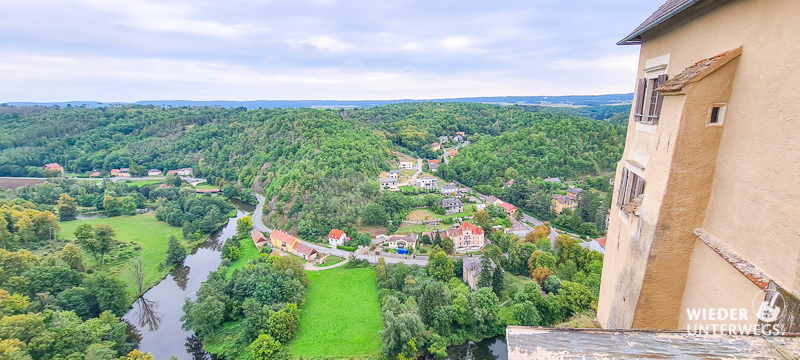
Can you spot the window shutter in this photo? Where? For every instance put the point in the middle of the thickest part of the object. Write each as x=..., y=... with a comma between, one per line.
x=623, y=184
x=640, y=92
x=639, y=186
x=659, y=99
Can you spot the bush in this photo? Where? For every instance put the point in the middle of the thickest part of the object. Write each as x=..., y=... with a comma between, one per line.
x=346, y=248
x=423, y=251
x=226, y=262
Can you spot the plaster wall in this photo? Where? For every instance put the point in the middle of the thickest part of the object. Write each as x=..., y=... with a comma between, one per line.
x=712, y=283
x=737, y=180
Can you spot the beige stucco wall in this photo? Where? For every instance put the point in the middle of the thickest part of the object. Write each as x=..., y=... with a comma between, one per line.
x=745, y=195
x=713, y=284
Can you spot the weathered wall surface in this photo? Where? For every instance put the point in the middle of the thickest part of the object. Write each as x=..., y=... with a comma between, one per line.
x=745, y=195
x=713, y=283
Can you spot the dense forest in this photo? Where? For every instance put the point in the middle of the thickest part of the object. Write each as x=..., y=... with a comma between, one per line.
x=317, y=167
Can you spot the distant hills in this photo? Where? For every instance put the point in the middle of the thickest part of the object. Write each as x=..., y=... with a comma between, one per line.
x=555, y=101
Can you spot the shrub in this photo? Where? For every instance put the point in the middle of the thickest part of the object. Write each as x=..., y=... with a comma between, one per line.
x=346, y=248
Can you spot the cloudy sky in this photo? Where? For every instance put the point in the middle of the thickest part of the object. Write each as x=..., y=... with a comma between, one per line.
x=129, y=50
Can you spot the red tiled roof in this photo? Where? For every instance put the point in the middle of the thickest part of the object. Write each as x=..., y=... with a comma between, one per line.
x=256, y=235
x=335, y=233
x=172, y=172
x=602, y=241
x=213, y=191
x=304, y=249
x=282, y=236
x=433, y=161
x=52, y=166
x=509, y=208
x=114, y=171
x=477, y=230
x=95, y=174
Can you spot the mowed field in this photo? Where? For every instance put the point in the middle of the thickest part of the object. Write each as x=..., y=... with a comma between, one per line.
x=341, y=317
x=144, y=230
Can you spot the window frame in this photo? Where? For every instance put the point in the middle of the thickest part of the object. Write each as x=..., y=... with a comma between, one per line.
x=723, y=109
x=632, y=184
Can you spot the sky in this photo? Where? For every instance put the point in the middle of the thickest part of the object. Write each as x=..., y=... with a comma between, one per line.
x=131, y=50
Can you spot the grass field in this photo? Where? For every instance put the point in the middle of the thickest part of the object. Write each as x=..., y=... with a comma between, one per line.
x=247, y=252
x=144, y=230
x=341, y=317
x=331, y=260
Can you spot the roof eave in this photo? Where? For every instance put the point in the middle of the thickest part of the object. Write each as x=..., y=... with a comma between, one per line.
x=636, y=37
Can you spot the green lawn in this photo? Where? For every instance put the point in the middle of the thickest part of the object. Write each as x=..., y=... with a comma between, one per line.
x=142, y=230
x=341, y=317
x=144, y=182
x=247, y=252
x=421, y=228
x=206, y=186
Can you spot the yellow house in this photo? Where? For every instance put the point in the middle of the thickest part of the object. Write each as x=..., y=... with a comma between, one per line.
x=561, y=202
x=282, y=240
x=706, y=209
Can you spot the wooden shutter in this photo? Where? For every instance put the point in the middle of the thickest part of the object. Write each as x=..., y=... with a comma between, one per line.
x=623, y=184
x=641, y=89
x=659, y=99
x=638, y=187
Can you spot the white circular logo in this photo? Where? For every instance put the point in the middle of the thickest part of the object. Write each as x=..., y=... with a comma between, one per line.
x=770, y=308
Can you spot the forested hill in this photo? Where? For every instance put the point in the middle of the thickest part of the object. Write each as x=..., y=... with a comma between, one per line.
x=320, y=165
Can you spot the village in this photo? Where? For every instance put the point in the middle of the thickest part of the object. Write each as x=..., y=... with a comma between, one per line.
x=453, y=218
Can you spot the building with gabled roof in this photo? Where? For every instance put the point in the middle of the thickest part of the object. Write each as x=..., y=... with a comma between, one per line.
x=467, y=237
x=452, y=206
x=471, y=270
x=337, y=237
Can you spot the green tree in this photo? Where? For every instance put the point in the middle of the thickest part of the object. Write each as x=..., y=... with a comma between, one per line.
x=244, y=225
x=175, y=251
x=448, y=246
x=398, y=330
x=440, y=267
x=373, y=214
x=204, y=316
x=263, y=347
x=112, y=205
x=498, y=281
x=485, y=278
x=67, y=208
x=109, y=291
x=380, y=270
x=85, y=237
x=552, y=284
x=73, y=257
x=575, y=297
x=104, y=237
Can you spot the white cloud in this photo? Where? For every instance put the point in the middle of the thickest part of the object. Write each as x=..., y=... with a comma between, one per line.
x=455, y=42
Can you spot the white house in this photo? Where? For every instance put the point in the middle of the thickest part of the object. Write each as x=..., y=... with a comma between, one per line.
x=185, y=172
x=449, y=190
x=394, y=174
x=406, y=165
x=336, y=237
x=153, y=172
x=427, y=182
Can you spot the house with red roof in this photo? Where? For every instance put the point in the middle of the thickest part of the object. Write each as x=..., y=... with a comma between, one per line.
x=94, y=174
x=511, y=210
x=53, y=167
x=337, y=237
x=291, y=244
x=258, y=238
x=453, y=153
x=467, y=237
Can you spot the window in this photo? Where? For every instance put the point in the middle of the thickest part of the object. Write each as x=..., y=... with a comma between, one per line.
x=717, y=114
x=630, y=186
x=648, y=100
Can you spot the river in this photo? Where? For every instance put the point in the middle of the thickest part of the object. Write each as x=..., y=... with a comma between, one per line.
x=157, y=314
x=489, y=349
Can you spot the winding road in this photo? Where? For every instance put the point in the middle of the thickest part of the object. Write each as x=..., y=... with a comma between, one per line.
x=258, y=224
